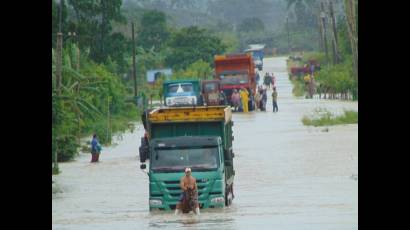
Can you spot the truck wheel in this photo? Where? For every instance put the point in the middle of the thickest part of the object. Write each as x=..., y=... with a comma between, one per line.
x=228, y=196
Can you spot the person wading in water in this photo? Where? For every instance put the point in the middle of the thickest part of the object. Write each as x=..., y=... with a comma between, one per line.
x=95, y=149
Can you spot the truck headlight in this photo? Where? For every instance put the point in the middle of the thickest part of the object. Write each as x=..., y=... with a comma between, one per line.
x=155, y=202
x=217, y=200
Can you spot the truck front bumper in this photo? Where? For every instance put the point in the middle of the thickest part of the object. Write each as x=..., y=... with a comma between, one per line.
x=211, y=202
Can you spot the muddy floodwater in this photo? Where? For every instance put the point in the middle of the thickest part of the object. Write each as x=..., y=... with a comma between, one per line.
x=288, y=176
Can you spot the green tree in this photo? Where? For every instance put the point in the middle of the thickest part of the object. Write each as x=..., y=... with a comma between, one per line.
x=153, y=32
x=93, y=25
x=251, y=25
x=197, y=70
x=55, y=19
x=191, y=44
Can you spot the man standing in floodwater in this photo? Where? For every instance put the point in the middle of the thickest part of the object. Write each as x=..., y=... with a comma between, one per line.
x=264, y=100
x=274, y=100
x=95, y=149
x=235, y=100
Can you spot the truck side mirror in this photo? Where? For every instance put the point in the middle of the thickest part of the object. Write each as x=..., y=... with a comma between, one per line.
x=143, y=150
x=143, y=166
x=143, y=153
x=228, y=155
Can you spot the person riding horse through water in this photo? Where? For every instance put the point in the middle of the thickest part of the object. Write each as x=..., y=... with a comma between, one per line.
x=188, y=182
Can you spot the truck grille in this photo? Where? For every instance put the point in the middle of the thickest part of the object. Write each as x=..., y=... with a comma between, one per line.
x=171, y=187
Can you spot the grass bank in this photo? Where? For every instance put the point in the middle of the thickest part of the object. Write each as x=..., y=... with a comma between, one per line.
x=323, y=117
x=297, y=82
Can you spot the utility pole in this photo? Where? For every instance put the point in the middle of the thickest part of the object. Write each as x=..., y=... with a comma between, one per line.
x=58, y=72
x=323, y=16
x=109, y=120
x=134, y=75
x=58, y=62
x=287, y=28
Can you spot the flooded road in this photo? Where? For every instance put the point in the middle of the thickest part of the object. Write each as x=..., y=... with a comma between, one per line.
x=288, y=176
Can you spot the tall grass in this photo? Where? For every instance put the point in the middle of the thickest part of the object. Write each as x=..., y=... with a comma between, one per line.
x=323, y=117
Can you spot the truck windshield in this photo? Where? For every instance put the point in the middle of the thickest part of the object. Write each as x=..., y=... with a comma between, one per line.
x=180, y=88
x=233, y=79
x=210, y=87
x=177, y=159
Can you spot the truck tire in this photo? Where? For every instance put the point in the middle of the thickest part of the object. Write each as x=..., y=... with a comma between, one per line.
x=229, y=196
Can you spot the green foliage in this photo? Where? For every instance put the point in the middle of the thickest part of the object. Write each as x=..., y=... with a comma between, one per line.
x=67, y=148
x=92, y=21
x=251, y=25
x=298, y=87
x=320, y=57
x=191, y=44
x=197, y=70
x=153, y=32
x=323, y=117
x=82, y=107
x=337, y=78
x=343, y=38
x=230, y=41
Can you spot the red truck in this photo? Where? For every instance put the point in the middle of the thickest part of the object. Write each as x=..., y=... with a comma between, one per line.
x=236, y=71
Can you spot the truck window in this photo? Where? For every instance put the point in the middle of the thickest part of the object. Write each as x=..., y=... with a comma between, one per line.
x=173, y=88
x=187, y=87
x=177, y=159
x=210, y=87
x=233, y=79
x=180, y=88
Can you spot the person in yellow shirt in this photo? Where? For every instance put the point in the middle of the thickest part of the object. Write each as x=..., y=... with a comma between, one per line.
x=307, y=78
x=244, y=97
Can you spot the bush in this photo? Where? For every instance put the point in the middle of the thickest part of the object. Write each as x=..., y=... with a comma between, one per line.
x=337, y=78
x=197, y=70
x=67, y=148
x=318, y=56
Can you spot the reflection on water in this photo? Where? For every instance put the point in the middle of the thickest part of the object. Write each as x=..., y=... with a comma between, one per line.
x=288, y=176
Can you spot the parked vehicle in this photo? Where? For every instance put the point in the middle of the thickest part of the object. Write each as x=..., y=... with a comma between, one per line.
x=256, y=50
x=211, y=92
x=236, y=71
x=182, y=93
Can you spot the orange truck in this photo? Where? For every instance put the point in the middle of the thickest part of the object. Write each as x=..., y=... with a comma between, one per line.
x=236, y=71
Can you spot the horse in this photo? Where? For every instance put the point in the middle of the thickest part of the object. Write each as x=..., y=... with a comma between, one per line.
x=189, y=202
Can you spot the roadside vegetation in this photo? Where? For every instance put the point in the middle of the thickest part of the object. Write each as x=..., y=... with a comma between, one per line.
x=96, y=94
x=337, y=56
x=323, y=117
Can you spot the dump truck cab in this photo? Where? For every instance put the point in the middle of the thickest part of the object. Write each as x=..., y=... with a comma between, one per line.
x=211, y=92
x=182, y=93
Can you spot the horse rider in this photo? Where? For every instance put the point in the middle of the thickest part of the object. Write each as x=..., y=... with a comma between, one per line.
x=187, y=181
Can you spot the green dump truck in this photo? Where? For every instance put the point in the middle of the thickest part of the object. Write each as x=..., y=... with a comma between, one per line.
x=196, y=137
